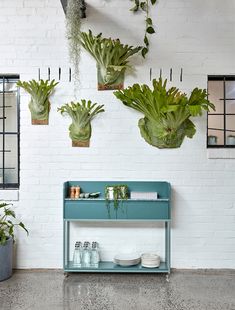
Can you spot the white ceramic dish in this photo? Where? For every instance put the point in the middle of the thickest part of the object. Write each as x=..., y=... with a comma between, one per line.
x=127, y=259
x=150, y=260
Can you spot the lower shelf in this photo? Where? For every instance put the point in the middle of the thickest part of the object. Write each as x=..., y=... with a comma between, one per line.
x=111, y=267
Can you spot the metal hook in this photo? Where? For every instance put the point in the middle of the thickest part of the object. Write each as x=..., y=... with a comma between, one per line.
x=181, y=75
x=59, y=73
x=171, y=74
x=150, y=74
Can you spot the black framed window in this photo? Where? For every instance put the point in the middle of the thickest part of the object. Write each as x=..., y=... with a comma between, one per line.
x=221, y=122
x=9, y=131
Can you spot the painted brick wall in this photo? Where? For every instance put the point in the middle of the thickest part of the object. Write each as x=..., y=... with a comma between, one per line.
x=197, y=36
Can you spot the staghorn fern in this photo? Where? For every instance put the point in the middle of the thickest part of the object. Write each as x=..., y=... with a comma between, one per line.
x=111, y=56
x=40, y=92
x=81, y=115
x=166, y=112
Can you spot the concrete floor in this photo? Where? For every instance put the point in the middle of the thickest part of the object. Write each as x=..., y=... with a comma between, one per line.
x=50, y=290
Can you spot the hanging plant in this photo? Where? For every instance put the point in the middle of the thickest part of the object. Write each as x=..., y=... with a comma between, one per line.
x=149, y=28
x=111, y=56
x=39, y=104
x=167, y=113
x=81, y=115
x=115, y=194
x=75, y=11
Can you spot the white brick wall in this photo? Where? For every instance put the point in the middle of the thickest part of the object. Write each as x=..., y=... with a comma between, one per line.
x=195, y=35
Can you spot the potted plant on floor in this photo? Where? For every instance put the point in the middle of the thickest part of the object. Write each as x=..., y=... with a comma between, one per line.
x=39, y=104
x=7, y=226
x=167, y=113
x=112, y=58
x=81, y=115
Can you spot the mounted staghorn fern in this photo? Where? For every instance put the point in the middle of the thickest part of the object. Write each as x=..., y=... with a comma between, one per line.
x=81, y=115
x=39, y=104
x=166, y=112
x=111, y=57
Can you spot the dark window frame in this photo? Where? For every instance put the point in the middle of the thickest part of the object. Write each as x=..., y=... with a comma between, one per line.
x=223, y=78
x=5, y=78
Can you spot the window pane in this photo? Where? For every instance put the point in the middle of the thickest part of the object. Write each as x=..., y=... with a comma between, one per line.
x=10, y=108
x=230, y=130
x=11, y=158
x=215, y=136
x=216, y=95
x=230, y=96
x=1, y=111
x=1, y=165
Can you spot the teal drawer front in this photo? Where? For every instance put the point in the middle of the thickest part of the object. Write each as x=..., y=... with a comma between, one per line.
x=150, y=210
x=132, y=210
x=86, y=210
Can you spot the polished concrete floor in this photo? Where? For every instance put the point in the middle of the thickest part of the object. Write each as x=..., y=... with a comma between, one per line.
x=186, y=290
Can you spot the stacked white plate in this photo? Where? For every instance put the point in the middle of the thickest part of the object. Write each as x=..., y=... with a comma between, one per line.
x=150, y=260
x=127, y=259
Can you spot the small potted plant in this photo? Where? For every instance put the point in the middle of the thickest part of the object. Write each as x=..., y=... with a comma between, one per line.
x=81, y=115
x=112, y=58
x=116, y=193
x=39, y=104
x=167, y=113
x=7, y=226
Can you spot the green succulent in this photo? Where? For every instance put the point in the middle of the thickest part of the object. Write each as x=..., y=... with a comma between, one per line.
x=81, y=115
x=40, y=92
x=166, y=112
x=111, y=56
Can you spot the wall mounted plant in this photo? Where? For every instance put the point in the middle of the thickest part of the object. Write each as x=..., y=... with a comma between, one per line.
x=149, y=28
x=167, y=113
x=39, y=104
x=112, y=58
x=81, y=115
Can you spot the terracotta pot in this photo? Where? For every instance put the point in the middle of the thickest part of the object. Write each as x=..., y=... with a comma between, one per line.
x=39, y=121
x=81, y=143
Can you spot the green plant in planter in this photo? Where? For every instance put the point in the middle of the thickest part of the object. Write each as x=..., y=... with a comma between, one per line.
x=81, y=115
x=6, y=224
x=116, y=194
x=112, y=58
x=39, y=105
x=166, y=112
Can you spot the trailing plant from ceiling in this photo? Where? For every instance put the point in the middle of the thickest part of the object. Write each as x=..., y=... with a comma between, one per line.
x=74, y=13
x=39, y=104
x=7, y=224
x=112, y=58
x=81, y=115
x=149, y=27
x=167, y=113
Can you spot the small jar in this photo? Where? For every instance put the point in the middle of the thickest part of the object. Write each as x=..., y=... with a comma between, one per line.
x=212, y=140
x=72, y=192
x=77, y=192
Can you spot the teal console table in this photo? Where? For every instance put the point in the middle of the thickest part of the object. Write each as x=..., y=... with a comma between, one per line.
x=132, y=210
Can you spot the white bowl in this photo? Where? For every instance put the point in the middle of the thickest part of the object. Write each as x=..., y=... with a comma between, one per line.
x=150, y=260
